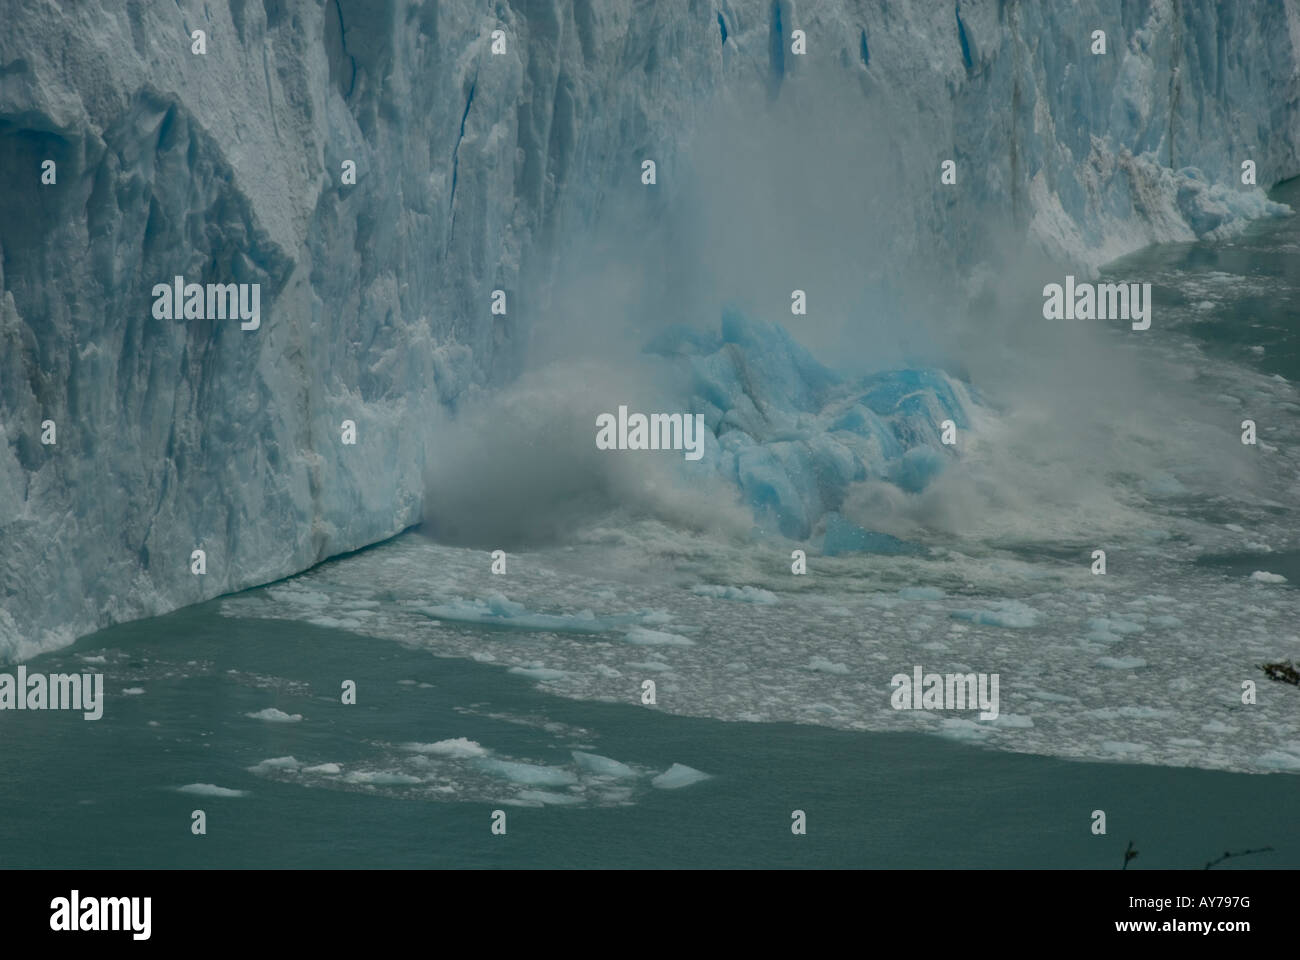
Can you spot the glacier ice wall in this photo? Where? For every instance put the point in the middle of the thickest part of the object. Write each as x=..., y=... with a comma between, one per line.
x=225, y=167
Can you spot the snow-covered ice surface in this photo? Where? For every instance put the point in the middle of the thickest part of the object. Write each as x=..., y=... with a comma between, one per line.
x=226, y=167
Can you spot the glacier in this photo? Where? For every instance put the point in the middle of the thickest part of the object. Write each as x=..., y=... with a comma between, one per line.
x=472, y=170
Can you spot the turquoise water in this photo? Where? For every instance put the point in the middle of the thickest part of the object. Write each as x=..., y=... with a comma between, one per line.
x=103, y=794
x=1240, y=302
x=1257, y=273
x=181, y=688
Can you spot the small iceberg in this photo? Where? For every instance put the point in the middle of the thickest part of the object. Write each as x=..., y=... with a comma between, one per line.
x=272, y=715
x=457, y=748
x=528, y=774
x=211, y=790
x=602, y=766
x=677, y=776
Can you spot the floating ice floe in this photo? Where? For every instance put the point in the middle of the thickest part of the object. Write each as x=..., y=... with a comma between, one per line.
x=538, y=673
x=1123, y=748
x=744, y=594
x=211, y=790
x=642, y=636
x=1121, y=663
x=677, y=776
x=654, y=666
x=457, y=747
x=957, y=728
x=602, y=766
x=380, y=778
x=1002, y=613
x=276, y=763
x=1283, y=758
x=1109, y=627
x=1263, y=576
x=547, y=797
x=530, y=774
x=496, y=610
x=272, y=715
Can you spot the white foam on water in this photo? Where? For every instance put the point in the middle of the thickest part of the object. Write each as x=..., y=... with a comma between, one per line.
x=380, y=777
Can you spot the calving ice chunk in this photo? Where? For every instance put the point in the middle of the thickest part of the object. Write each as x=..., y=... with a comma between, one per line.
x=658, y=431
x=1102, y=301
x=179, y=300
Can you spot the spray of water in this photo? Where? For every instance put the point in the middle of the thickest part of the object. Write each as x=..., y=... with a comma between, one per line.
x=1083, y=425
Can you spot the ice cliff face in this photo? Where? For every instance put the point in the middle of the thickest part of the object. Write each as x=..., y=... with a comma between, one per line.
x=226, y=167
